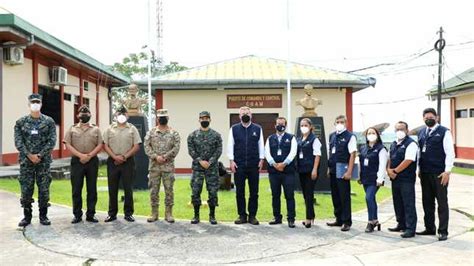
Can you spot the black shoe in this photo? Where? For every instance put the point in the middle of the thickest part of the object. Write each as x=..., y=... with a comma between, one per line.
x=345, y=228
x=110, y=219
x=426, y=233
x=212, y=219
x=24, y=222
x=76, y=219
x=241, y=220
x=291, y=224
x=397, y=228
x=334, y=224
x=43, y=217
x=369, y=228
x=443, y=237
x=195, y=220
x=129, y=218
x=407, y=234
x=92, y=219
x=275, y=221
x=253, y=221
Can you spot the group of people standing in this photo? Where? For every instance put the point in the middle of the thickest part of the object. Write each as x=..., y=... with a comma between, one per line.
x=287, y=156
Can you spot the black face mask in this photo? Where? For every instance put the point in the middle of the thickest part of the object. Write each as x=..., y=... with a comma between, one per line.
x=430, y=122
x=280, y=128
x=205, y=124
x=245, y=118
x=163, y=120
x=84, y=118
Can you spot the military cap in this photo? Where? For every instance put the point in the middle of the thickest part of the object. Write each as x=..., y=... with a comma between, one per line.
x=84, y=109
x=204, y=114
x=122, y=109
x=161, y=112
x=35, y=97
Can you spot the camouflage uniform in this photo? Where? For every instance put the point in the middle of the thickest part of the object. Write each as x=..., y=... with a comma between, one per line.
x=207, y=146
x=158, y=143
x=35, y=136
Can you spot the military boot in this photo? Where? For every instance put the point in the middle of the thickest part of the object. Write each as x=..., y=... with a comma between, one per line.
x=28, y=213
x=195, y=219
x=212, y=215
x=43, y=216
x=154, y=214
x=169, y=214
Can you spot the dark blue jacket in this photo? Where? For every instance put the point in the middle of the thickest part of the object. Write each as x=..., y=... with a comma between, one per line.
x=341, y=143
x=397, y=156
x=432, y=155
x=246, y=139
x=285, y=146
x=368, y=174
x=306, y=164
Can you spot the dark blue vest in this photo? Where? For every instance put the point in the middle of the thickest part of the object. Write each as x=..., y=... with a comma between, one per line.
x=341, y=143
x=368, y=174
x=432, y=159
x=306, y=164
x=397, y=156
x=246, y=145
x=285, y=146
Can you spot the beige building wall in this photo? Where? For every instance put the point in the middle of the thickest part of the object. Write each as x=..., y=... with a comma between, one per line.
x=17, y=86
x=104, y=111
x=465, y=126
x=185, y=105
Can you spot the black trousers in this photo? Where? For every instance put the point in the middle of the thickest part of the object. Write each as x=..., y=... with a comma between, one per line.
x=432, y=189
x=125, y=172
x=287, y=180
x=403, y=195
x=307, y=186
x=78, y=172
x=341, y=199
x=252, y=175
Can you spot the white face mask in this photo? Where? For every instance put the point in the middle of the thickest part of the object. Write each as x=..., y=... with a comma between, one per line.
x=401, y=134
x=371, y=137
x=121, y=119
x=340, y=127
x=304, y=130
x=35, y=107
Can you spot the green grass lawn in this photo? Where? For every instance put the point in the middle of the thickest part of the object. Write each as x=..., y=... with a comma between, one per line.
x=463, y=171
x=61, y=194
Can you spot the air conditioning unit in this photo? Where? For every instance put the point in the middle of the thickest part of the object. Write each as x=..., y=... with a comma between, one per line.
x=13, y=55
x=58, y=75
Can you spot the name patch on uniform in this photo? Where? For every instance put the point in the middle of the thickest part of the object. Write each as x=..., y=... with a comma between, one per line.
x=34, y=132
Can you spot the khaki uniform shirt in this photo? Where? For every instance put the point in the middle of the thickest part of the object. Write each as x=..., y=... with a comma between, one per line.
x=121, y=139
x=84, y=138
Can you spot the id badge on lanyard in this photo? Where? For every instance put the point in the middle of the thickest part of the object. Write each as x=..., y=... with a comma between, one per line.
x=366, y=162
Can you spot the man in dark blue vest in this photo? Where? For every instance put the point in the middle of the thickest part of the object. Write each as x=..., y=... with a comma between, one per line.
x=402, y=172
x=280, y=151
x=245, y=149
x=436, y=161
x=342, y=153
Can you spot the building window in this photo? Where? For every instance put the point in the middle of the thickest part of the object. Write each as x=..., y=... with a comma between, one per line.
x=51, y=103
x=86, y=85
x=461, y=113
x=85, y=101
x=471, y=112
x=67, y=97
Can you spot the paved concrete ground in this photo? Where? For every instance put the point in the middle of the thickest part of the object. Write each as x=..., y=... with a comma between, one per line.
x=121, y=242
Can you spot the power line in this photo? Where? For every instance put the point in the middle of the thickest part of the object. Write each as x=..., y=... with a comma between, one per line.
x=391, y=102
x=402, y=70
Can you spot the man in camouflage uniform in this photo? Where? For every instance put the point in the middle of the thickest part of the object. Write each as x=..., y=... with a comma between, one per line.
x=35, y=138
x=205, y=147
x=161, y=146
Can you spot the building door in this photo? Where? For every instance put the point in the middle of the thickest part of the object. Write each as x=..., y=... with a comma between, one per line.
x=266, y=121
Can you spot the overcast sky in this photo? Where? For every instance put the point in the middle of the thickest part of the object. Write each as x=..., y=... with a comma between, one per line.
x=342, y=35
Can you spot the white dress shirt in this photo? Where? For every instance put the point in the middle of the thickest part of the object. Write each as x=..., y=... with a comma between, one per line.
x=291, y=155
x=316, y=147
x=383, y=159
x=230, y=144
x=352, y=145
x=411, y=151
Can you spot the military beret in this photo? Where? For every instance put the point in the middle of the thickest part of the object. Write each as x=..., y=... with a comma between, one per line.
x=35, y=97
x=84, y=109
x=204, y=114
x=161, y=112
x=122, y=109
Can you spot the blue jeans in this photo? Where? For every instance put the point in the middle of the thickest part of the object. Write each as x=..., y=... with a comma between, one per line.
x=370, y=192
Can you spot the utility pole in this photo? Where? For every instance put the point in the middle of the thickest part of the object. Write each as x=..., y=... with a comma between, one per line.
x=439, y=46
